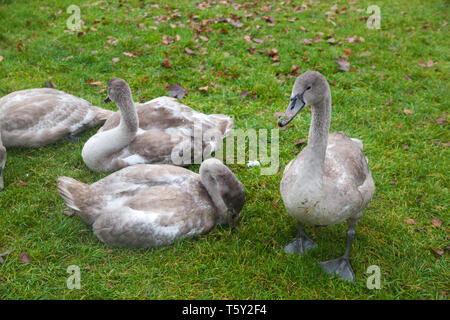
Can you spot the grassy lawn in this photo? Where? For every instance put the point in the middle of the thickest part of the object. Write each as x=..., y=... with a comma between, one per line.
x=393, y=94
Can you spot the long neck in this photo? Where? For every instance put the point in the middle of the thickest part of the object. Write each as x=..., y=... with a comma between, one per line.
x=101, y=146
x=317, y=141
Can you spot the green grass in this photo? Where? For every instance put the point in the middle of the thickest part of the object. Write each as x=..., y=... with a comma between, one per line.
x=248, y=263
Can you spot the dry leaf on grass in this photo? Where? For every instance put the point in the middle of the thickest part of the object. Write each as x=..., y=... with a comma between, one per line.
x=344, y=65
x=407, y=111
x=436, y=222
x=176, y=91
x=25, y=258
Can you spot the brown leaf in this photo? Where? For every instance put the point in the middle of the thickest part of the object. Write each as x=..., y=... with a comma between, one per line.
x=50, y=84
x=295, y=70
x=235, y=23
x=298, y=143
x=1, y=58
x=166, y=64
x=176, y=91
x=441, y=121
x=348, y=51
x=205, y=88
x=410, y=221
x=2, y=254
x=387, y=103
x=93, y=83
x=344, y=65
x=436, y=222
x=407, y=111
x=245, y=94
x=428, y=64
x=189, y=52
x=393, y=182
x=437, y=251
x=144, y=79
x=128, y=54
x=24, y=257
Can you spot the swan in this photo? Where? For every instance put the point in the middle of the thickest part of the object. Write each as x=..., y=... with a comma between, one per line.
x=152, y=132
x=329, y=182
x=37, y=117
x=153, y=205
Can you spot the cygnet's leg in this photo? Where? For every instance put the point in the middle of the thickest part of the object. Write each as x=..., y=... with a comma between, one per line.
x=341, y=266
x=300, y=244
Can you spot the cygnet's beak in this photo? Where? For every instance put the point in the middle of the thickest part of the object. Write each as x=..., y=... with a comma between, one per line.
x=107, y=99
x=295, y=106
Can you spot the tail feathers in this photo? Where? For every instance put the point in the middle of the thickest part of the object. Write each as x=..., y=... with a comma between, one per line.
x=358, y=142
x=76, y=195
x=102, y=114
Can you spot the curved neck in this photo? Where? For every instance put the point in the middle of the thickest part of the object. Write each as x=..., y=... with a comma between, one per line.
x=317, y=140
x=101, y=146
x=221, y=207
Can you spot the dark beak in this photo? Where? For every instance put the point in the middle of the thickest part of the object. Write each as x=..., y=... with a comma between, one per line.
x=107, y=100
x=295, y=106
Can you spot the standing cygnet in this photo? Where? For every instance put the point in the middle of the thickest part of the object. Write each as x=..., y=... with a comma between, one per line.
x=157, y=131
x=149, y=205
x=329, y=182
x=37, y=117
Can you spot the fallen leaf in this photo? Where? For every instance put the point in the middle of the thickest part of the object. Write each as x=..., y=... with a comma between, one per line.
x=298, y=143
x=441, y=121
x=49, y=84
x=176, y=91
x=410, y=221
x=93, y=83
x=407, y=111
x=387, y=103
x=437, y=251
x=205, y=88
x=128, y=54
x=428, y=64
x=393, y=182
x=189, y=52
x=1, y=58
x=344, y=65
x=295, y=70
x=115, y=59
x=245, y=94
x=25, y=258
x=4, y=254
x=166, y=64
x=436, y=222
x=235, y=23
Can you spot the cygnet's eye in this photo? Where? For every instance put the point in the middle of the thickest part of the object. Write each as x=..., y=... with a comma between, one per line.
x=309, y=88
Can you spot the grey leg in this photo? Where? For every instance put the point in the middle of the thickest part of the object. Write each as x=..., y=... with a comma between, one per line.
x=341, y=266
x=300, y=244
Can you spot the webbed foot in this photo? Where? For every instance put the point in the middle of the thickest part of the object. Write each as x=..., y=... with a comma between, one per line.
x=300, y=245
x=340, y=266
